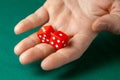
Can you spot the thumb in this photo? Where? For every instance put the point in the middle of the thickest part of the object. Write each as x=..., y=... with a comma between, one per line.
x=109, y=23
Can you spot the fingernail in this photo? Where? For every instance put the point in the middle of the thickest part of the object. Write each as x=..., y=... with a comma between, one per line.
x=16, y=30
x=17, y=50
x=102, y=27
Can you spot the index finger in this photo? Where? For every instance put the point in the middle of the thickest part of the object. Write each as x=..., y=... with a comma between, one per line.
x=36, y=19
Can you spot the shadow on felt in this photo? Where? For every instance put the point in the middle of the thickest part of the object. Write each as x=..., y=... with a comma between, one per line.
x=104, y=49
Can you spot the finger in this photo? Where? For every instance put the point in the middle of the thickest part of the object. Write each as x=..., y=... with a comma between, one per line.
x=36, y=53
x=77, y=45
x=110, y=23
x=26, y=43
x=36, y=19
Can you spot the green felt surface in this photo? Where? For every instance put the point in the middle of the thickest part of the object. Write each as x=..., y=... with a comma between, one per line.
x=100, y=62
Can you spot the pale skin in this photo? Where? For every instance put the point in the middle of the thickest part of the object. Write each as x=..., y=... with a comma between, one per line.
x=82, y=20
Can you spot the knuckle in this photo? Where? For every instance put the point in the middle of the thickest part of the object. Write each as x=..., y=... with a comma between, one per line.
x=41, y=49
x=63, y=55
x=33, y=40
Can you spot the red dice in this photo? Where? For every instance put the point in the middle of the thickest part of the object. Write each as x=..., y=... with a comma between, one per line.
x=44, y=33
x=58, y=40
x=48, y=35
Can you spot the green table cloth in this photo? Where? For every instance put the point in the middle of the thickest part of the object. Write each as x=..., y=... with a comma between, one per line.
x=101, y=61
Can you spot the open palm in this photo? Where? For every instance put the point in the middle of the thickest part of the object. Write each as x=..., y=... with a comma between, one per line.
x=74, y=17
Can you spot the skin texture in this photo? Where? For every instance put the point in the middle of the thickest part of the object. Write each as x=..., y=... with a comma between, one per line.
x=82, y=20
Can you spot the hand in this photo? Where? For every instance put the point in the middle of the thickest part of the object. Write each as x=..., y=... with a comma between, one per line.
x=76, y=18
x=109, y=22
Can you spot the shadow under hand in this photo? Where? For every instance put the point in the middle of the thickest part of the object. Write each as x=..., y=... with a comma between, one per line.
x=104, y=50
